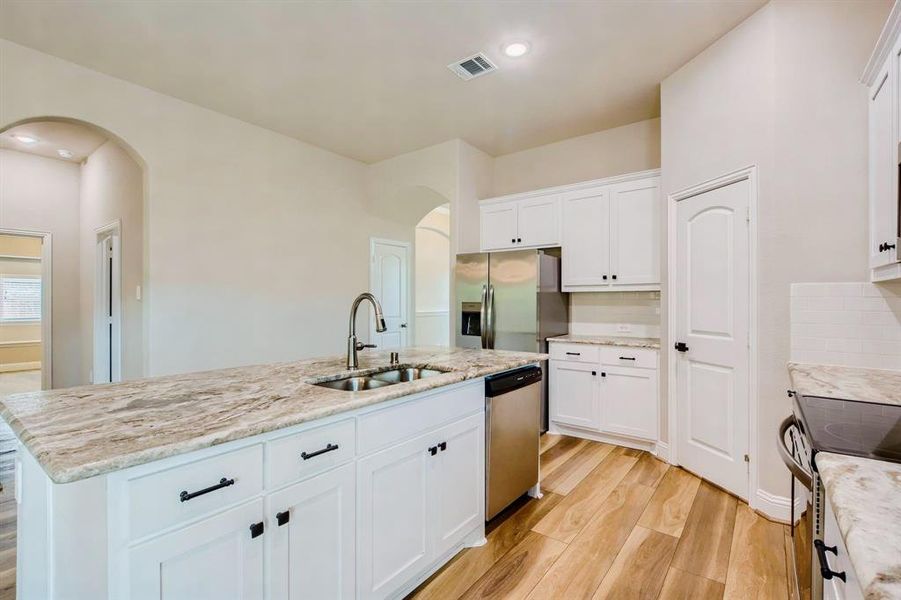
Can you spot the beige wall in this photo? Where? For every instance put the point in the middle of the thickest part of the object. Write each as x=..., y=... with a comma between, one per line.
x=112, y=189
x=228, y=204
x=626, y=149
x=41, y=194
x=781, y=91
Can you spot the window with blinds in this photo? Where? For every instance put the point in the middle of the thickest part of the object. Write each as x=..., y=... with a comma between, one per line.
x=20, y=299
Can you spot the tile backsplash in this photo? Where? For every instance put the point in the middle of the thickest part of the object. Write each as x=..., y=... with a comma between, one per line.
x=848, y=324
x=608, y=313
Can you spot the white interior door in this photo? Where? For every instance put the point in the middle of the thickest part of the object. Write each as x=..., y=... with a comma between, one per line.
x=107, y=365
x=713, y=321
x=389, y=283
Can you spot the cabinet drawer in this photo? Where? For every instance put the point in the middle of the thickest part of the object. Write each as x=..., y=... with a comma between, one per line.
x=162, y=499
x=383, y=427
x=629, y=357
x=309, y=452
x=577, y=352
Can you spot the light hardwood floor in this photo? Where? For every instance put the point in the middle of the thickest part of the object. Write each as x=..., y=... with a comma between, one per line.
x=618, y=523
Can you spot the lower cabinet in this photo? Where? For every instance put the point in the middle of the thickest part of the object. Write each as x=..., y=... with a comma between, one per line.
x=417, y=500
x=574, y=393
x=630, y=400
x=312, y=537
x=602, y=392
x=218, y=557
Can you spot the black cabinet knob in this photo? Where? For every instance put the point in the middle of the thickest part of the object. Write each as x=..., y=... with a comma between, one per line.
x=518, y=240
x=442, y=446
x=604, y=277
x=282, y=518
x=256, y=530
x=603, y=374
x=433, y=450
x=614, y=276
x=594, y=372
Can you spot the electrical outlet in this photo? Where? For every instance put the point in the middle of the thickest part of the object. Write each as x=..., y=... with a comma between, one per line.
x=623, y=328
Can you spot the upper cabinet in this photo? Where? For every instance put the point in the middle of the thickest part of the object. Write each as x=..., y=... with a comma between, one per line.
x=514, y=224
x=608, y=230
x=883, y=77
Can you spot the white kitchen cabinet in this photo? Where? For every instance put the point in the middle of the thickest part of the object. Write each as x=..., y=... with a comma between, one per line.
x=839, y=562
x=629, y=401
x=611, y=235
x=217, y=557
x=574, y=394
x=635, y=233
x=418, y=500
x=586, y=252
x=606, y=393
x=312, y=537
x=499, y=226
x=883, y=78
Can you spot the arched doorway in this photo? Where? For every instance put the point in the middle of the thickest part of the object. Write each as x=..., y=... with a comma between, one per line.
x=77, y=190
x=432, y=278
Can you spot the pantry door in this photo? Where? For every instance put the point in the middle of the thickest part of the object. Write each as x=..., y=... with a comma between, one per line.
x=712, y=282
x=389, y=281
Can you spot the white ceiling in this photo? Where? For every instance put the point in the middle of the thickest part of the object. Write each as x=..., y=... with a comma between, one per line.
x=52, y=136
x=368, y=79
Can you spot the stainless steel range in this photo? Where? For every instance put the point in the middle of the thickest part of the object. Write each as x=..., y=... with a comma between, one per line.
x=819, y=424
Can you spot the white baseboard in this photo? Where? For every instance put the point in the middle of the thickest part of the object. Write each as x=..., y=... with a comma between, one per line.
x=661, y=450
x=777, y=508
x=558, y=428
x=22, y=366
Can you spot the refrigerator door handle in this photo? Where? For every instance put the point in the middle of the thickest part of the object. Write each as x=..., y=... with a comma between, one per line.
x=483, y=317
x=490, y=318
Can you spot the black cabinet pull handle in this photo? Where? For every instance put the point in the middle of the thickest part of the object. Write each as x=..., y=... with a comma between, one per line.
x=603, y=374
x=574, y=354
x=513, y=241
x=433, y=450
x=614, y=276
x=594, y=372
x=604, y=277
x=681, y=347
x=309, y=455
x=442, y=446
x=518, y=240
x=223, y=483
x=627, y=358
x=825, y=571
x=282, y=518
x=256, y=530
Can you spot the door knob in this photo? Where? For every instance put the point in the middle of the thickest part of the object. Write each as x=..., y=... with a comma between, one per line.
x=403, y=325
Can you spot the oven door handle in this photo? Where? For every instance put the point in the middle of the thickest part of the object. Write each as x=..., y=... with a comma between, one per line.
x=787, y=457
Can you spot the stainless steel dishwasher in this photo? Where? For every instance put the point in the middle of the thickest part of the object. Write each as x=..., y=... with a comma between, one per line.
x=512, y=429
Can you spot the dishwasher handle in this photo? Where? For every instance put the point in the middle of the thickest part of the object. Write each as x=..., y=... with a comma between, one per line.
x=509, y=381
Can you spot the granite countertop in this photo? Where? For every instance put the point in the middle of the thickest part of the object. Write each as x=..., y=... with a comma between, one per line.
x=608, y=340
x=852, y=383
x=85, y=431
x=865, y=495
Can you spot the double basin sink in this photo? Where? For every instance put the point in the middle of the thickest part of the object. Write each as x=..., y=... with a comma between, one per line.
x=358, y=383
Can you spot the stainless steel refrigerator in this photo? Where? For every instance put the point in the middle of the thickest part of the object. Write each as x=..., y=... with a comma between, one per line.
x=511, y=301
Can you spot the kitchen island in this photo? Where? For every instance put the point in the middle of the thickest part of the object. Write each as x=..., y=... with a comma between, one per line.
x=254, y=481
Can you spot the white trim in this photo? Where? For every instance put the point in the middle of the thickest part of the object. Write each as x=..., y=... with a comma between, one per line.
x=595, y=436
x=407, y=246
x=19, y=343
x=19, y=257
x=890, y=32
x=46, y=300
x=748, y=173
x=113, y=230
x=775, y=507
x=573, y=187
x=661, y=450
x=21, y=366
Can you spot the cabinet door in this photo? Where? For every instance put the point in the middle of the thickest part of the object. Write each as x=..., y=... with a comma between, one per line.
x=213, y=559
x=458, y=485
x=498, y=222
x=393, y=517
x=629, y=402
x=883, y=171
x=312, y=551
x=538, y=222
x=635, y=233
x=586, y=238
x=574, y=394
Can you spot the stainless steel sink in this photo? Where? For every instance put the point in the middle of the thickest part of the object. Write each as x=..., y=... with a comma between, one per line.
x=405, y=374
x=358, y=383
x=353, y=384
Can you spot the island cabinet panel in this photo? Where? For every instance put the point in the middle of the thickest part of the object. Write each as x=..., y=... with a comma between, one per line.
x=218, y=557
x=312, y=537
x=185, y=492
x=418, y=501
x=293, y=457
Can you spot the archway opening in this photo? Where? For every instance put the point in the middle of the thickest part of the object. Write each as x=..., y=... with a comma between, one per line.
x=432, y=278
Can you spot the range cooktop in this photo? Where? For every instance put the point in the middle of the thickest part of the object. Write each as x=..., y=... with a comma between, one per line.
x=851, y=427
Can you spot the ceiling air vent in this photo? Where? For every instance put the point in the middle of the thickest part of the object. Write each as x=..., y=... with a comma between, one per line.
x=472, y=66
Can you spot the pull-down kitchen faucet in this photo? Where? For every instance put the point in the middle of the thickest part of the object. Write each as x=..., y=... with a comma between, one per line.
x=353, y=346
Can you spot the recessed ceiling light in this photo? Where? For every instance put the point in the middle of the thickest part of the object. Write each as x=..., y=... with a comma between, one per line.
x=516, y=49
x=63, y=153
x=25, y=139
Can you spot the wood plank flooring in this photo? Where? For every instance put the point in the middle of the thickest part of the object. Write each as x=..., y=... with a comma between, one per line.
x=617, y=523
